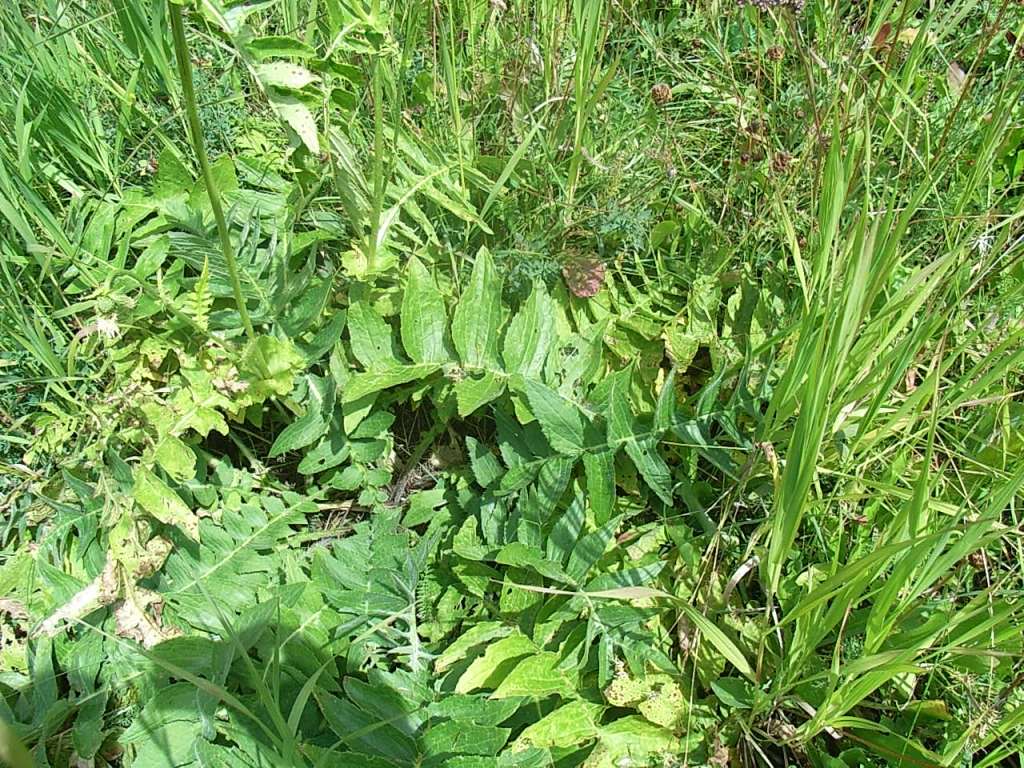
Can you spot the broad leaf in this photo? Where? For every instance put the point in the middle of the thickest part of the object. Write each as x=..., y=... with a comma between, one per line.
x=530, y=335
x=156, y=499
x=424, y=321
x=362, y=384
x=560, y=419
x=479, y=315
x=313, y=423
x=538, y=676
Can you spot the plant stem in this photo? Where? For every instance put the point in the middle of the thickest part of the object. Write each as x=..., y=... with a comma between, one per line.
x=199, y=147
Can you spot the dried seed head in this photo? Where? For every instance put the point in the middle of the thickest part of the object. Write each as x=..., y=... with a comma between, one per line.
x=661, y=93
x=764, y=5
x=781, y=162
x=584, y=275
x=775, y=53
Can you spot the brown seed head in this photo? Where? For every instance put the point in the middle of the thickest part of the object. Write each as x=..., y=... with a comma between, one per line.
x=661, y=93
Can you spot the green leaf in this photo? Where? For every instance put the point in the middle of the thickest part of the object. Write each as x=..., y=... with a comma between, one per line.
x=331, y=451
x=472, y=709
x=473, y=392
x=175, y=458
x=424, y=319
x=460, y=738
x=488, y=670
x=478, y=315
x=269, y=365
x=530, y=335
x=367, y=382
x=283, y=74
x=314, y=422
x=517, y=554
x=486, y=467
x=370, y=336
x=733, y=692
x=718, y=639
x=174, y=703
x=588, y=550
x=279, y=45
x=156, y=499
x=641, y=448
x=171, y=746
x=572, y=725
x=297, y=115
x=665, y=410
x=631, y=738
x=599, y=468
x=477, y=634
x=538, y=676
x=560, y=419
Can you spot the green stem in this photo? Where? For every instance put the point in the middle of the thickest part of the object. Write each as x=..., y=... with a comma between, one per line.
x=378, y=167
x=196, y=131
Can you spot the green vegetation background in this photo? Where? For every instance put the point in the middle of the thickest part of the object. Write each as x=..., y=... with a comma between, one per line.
x=509, y=384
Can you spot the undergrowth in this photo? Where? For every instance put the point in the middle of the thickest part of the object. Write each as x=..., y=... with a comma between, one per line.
x=497, y=384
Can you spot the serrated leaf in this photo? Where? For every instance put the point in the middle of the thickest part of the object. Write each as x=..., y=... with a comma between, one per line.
x=530, y=335
x=156, y=499
x=538, y=676
x=641, y=448
x=314, y=422
x=362, y=384
x=559, y=418
x=424, y=319
x=478, y=315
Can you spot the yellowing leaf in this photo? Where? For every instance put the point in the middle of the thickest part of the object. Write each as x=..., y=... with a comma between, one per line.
x=156, y=499
x=488, y=670
x=574, y=724
x=538, y=677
